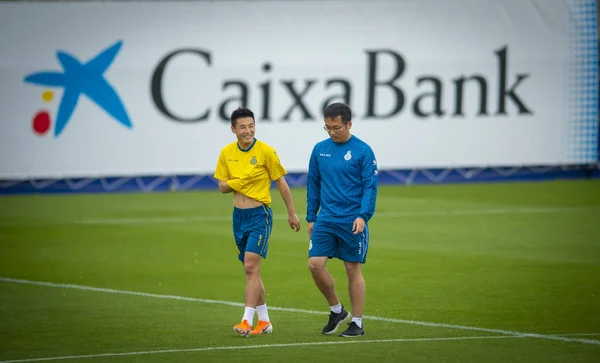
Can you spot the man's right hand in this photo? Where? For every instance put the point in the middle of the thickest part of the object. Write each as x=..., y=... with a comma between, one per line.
x=236, y=184
x=310, y=227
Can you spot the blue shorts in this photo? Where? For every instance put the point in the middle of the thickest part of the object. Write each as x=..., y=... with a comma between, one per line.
x=251, y=230
x=337, y=240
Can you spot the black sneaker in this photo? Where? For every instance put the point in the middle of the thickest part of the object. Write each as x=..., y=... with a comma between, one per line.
x=353, y=331
x=335, y=320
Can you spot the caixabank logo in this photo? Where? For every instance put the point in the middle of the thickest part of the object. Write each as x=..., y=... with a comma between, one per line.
x=78, y=79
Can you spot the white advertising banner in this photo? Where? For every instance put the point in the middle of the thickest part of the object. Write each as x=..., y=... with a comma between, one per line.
x=146, y=88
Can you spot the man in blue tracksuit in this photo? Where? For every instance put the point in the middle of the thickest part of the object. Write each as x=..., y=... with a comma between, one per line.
x=341, y=196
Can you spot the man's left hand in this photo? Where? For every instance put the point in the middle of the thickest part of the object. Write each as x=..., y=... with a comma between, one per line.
x=294, y=222
x=358, y=226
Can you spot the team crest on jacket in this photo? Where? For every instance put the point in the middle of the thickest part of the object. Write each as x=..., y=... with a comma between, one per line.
x=253, y=161
x=348, y=155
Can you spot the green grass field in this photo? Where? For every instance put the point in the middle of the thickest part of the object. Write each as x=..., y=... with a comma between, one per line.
x=455, y=273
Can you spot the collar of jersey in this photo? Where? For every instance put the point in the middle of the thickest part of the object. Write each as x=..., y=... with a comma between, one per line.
x=336, y=143
x=249, y=147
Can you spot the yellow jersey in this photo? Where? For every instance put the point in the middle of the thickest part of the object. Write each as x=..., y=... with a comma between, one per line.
x=250, y=171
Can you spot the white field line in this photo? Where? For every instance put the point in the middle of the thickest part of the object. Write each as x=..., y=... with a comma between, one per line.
x=262, y=346
x=377, y=318
x=205, y=219
x=227, y=218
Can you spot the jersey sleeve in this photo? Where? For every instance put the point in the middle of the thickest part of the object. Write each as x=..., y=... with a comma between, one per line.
x=273, y=164
x=221, y=172
x=369, y=177
x=313, y=188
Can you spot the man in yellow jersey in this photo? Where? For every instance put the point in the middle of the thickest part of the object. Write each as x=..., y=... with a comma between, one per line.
x=246, y=168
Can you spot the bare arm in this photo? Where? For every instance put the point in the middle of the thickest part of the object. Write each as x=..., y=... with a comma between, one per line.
x=224, y=187
x=286, y=195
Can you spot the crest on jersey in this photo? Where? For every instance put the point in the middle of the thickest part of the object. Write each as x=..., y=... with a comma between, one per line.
x=253, y=161
x=348, y=155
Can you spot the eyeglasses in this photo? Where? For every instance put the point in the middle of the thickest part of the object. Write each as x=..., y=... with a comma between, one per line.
x=334, y=130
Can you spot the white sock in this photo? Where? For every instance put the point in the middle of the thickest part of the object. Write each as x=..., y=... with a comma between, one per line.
x=336, y=309
x=249, y=315
x=262, y=312
x=358, y=321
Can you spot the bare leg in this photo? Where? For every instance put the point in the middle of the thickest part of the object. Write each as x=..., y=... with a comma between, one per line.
x=323, y=279
x=261, y=297
x=255, y=290
x=356, y=287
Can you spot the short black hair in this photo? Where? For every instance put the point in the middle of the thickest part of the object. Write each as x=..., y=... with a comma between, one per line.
x=339, y=109
x=239, y=113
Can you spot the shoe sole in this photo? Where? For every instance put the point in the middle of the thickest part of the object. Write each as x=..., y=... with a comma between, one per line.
x=242, y=332
x=352, y=336
x=337, y=327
